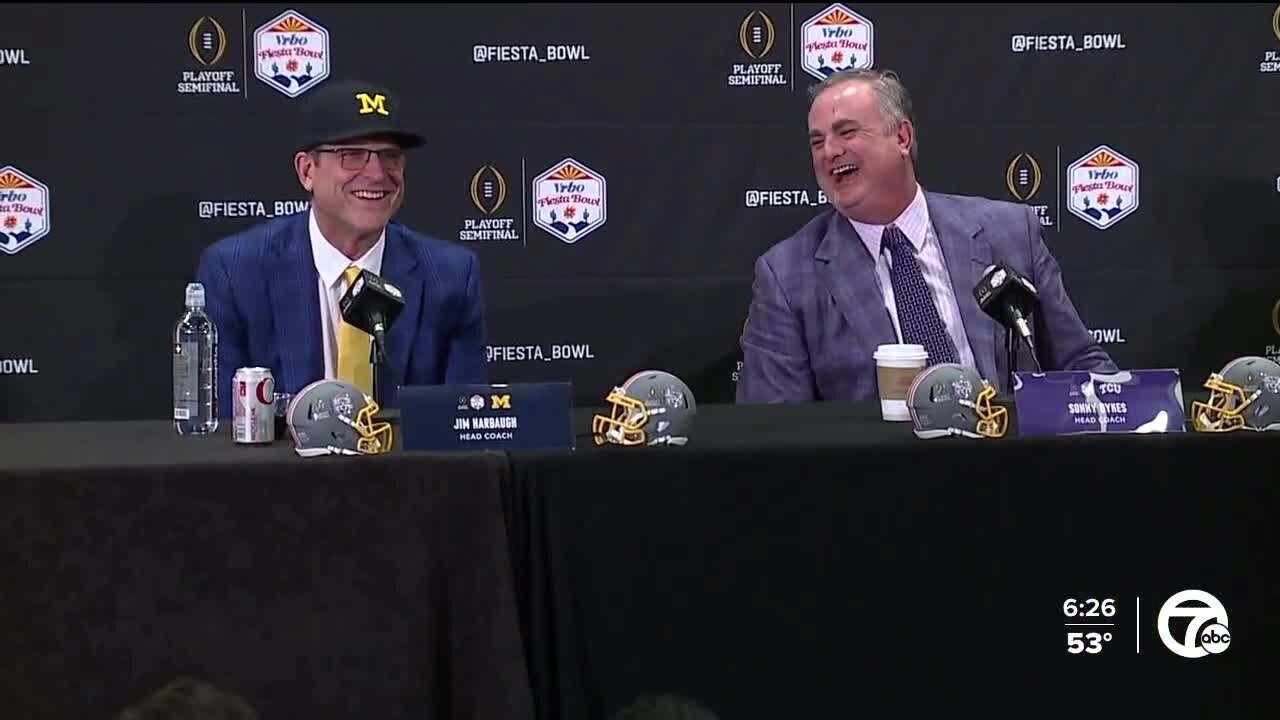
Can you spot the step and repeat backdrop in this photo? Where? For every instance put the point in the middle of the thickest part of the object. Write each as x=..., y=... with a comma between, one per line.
x=136, y=135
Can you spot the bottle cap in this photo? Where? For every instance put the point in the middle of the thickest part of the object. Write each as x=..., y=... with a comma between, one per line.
x=195, y=295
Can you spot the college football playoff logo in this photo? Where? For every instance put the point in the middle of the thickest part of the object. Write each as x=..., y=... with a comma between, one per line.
x=207, y=41
x=488, y=190
x=756, y=35
x=1023, y=177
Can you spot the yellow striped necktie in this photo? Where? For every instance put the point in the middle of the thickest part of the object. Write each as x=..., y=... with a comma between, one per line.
x=353, y=348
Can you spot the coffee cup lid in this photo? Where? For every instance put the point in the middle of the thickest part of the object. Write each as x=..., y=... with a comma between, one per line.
x=899, y=351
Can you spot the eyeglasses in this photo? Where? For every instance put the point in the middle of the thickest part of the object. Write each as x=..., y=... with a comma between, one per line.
x=354, y=159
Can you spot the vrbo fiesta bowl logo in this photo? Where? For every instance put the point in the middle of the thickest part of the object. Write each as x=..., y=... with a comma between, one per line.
x=836, y=39
x=569, y=200
x=291, y=53
x=24, y=210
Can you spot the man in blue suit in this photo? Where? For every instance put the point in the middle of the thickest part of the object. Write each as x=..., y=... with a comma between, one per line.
x=273, y=290
x=891, y=263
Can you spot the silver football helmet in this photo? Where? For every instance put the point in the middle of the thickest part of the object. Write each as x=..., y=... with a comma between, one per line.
x=950, y=399
x=332, y=417
x=652, y=407
x=1244, y=396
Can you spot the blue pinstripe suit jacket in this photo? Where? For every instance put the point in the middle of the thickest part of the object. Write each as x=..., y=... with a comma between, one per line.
x=261, y=290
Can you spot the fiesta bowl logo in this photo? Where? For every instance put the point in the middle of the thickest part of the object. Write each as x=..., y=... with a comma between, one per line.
x=291, y=53
x=756, y=35
x=569, y=200
x=1102, y=187
x=24, y=210
x=836, y=39
x=1023, y=177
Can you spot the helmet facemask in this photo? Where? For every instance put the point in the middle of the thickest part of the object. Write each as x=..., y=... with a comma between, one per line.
x=625, y=423
x=1224, y=411
x=993, y=420
x=375, y=438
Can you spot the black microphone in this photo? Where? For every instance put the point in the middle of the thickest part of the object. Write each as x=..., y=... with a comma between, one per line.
x=1009, y=297
x=372, y=304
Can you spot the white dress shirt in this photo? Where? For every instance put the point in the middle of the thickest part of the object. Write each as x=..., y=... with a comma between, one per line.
x=915, y=224
x=330, y=265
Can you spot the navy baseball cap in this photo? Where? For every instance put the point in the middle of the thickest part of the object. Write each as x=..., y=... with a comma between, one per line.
x=352, y=109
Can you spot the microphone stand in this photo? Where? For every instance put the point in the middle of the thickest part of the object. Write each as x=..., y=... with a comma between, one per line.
x=1011, y=339
x=375, y=359
x=377, y=354
x=1011, y=347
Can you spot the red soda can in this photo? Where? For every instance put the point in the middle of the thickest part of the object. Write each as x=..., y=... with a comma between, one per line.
x=253, y=400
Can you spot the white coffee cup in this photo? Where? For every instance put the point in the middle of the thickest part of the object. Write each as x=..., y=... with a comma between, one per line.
x=896, y=366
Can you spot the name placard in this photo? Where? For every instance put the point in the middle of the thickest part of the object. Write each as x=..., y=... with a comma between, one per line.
x=1078, y=402
x=516, y=416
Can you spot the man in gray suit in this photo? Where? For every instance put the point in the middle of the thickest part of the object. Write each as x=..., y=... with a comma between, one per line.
x=892, y=263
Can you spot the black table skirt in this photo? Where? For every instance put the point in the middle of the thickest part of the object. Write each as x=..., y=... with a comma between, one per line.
x=816, y=562
x=319, y=588
x=808, y=561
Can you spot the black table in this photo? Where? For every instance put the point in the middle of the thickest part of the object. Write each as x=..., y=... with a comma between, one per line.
x=319, y=588
x=816, y=562
x=806, y=561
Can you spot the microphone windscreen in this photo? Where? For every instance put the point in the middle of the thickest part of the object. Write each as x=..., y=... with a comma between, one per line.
x=370, y=297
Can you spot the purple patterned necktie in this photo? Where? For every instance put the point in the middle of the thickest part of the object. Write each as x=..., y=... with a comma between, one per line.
x=917, y=313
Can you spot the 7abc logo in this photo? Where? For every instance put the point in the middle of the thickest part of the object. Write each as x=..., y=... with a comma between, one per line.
x=1206, y=631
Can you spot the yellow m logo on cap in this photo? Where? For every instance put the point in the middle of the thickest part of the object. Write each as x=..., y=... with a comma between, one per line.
x=500, y=402
x=371, y=104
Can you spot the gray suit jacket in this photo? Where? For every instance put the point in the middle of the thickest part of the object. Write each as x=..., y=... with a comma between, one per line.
x=817, y=313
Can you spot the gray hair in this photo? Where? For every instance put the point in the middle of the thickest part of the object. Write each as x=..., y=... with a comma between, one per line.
x=894, y=100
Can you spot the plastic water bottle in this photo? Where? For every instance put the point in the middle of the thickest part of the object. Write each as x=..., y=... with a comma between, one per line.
x=195, y=368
